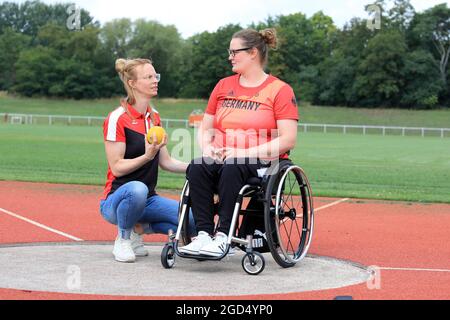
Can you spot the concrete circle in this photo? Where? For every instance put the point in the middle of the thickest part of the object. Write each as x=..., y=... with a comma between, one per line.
x=90, y=268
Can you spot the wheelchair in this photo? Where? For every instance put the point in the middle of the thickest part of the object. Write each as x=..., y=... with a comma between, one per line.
x=278, y=218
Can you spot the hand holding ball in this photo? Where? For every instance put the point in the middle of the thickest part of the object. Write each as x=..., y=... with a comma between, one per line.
x=158, y=132
x=156, y=139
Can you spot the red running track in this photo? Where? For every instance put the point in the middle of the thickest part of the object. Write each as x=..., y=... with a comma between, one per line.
x=408, y=241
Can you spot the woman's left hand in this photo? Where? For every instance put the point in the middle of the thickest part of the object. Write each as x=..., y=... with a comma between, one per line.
x=235, y=153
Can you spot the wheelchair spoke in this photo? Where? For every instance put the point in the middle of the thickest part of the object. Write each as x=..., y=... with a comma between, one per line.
x=289, y=242
x=295, y=249
x=290, y=234
x=286, y=245
x=290, y=191
x=287, y=204
x=300, y=236
x=291, y=195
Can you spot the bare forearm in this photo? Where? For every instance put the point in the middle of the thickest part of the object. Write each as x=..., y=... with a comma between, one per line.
x=205, y=138
x=272, y=149
x=175, y=166
x=126, y=166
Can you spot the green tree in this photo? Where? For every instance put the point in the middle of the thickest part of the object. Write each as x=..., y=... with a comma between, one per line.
x=29, y=16
x=10, y=16
x=396, y=14
x=430, y=30
x=354, y=37
x=11, y=44
x=207, y=61
x=55, y=36
x=334, y=84
x=303, y=43
x=321, y=41
x=335, y=81
x=423, y=86
x=116, y=36
x=84, y=65
x=72, y=64
x=401, y=14
x=163, y=45
x=379, y=78
x=36, y=72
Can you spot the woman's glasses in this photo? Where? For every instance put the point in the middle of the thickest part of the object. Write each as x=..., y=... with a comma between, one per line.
x=150, y=77
x=234, y=52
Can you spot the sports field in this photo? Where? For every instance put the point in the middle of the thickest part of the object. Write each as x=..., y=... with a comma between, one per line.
x=180, y=109
x=356, y=166
x=382, y=248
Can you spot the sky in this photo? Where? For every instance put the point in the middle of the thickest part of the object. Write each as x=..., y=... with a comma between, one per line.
x=195, y=16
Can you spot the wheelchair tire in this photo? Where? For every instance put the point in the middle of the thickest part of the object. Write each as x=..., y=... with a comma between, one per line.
x=288, y=241
x=168, y=256
x=253, y=263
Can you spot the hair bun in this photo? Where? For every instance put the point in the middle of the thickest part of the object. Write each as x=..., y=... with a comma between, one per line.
x=270, y=37
x=120, y=65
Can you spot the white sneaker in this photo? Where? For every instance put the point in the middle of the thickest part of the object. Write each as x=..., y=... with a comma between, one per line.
x=123, y=251
x=198, y=242
x=137, y=244
x=217, y=247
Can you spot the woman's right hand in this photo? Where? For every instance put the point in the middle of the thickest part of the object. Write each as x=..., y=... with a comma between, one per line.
x=152, y=149
x=210, y=152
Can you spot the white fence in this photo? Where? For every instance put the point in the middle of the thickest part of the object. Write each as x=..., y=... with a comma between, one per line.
x=179, y=123
x=16, y=118
x=383, y=130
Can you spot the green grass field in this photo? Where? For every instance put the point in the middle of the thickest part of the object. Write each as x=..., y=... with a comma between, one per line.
x=352, y=165
x=180, y=109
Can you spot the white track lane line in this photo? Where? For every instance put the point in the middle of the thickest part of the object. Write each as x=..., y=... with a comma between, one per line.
x=40, y=225
x=331, y=204
x=386, y=268
x=415, y=269
x=321, y=208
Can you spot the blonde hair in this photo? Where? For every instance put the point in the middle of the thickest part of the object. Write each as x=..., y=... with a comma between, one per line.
x=126, y=68
x=261, y=40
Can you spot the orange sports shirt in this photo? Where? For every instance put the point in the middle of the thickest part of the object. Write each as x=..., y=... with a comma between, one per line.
x=247, y=117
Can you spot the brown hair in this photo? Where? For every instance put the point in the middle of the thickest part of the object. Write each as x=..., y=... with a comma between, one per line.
x=261, y=40
x=126, y=68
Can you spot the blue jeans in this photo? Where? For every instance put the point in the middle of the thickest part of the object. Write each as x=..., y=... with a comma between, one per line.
x=129, y=206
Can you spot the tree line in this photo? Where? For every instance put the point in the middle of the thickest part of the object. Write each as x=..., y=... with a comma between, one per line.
x=403, y=62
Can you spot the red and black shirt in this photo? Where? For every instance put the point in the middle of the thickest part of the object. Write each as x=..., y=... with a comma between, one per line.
x=131, y=128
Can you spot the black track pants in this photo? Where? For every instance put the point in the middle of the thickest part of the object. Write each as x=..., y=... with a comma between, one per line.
x=206, y=178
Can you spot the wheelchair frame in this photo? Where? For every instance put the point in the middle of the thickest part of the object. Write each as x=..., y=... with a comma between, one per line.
x=253, y=262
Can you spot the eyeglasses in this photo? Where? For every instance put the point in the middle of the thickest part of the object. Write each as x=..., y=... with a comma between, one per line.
x=234, y=52
x=150, y=77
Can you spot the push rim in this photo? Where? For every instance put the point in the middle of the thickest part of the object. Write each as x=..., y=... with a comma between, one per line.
x=293, y=215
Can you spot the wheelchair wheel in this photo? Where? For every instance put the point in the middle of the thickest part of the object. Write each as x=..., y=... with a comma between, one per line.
x=288, y=217
x=253, y=263
x=168, y=256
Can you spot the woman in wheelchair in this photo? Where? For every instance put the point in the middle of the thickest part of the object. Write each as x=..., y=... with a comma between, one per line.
x=251, y=120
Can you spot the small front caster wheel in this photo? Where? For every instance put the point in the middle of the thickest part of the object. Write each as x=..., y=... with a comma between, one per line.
x=253, y=263
x=168, y=256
